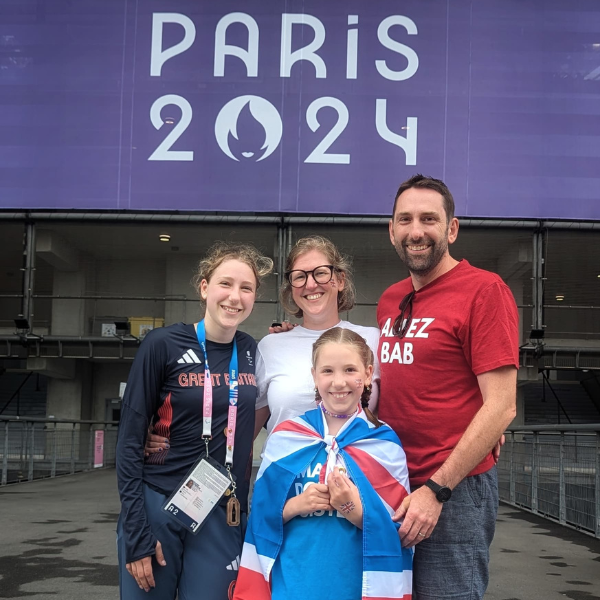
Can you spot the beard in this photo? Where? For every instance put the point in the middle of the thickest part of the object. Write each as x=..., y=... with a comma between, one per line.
x=423, y=264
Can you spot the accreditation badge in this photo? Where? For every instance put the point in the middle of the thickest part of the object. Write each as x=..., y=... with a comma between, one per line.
x=199, y=494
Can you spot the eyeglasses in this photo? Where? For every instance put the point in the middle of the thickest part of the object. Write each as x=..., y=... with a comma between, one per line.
x=403, y=320
x=298, y=278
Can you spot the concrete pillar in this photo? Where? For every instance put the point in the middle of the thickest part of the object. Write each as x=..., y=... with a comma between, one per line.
x=68, y=316
x=70, y=386
x=64, y=398
x=179, y=271
x=107, y=378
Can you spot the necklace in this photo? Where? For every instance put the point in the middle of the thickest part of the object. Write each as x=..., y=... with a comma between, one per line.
x=334, y=415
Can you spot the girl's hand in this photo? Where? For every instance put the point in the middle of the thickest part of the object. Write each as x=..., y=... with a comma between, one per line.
x=345, y=497
x=314, y=497
x=155, y=443
x=141, y=570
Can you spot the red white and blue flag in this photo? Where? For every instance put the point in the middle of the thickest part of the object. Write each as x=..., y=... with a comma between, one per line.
x=375, y=461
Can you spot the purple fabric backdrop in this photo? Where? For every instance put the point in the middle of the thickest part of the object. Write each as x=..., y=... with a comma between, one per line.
x=500, y=98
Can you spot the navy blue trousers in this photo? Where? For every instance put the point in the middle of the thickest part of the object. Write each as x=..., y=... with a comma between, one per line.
x=199, y=567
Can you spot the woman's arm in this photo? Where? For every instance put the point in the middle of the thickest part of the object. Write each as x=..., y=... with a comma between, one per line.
x=260, y=418
x=141, y=399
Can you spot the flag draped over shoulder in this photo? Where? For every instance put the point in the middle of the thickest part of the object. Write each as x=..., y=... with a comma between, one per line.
x=375, y=462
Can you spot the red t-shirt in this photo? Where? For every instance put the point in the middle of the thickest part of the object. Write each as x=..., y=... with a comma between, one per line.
x=465, y=323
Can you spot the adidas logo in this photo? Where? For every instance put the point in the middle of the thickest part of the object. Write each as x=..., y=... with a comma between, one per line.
x=235, y=564
x=189, y=357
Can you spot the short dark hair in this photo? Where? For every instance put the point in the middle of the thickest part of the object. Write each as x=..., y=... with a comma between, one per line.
x=437, y=185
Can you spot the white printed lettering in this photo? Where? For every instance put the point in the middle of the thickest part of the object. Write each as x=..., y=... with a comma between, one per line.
x=385, y=352
x=412, y=328
x=408, y=143
x=249, y=57
x=396, y=353
x=288, y=58
x=385, y=331
x=352, y=48
x=164, y=152
x=319, y=154
x=408, y=355
x=158, y=56
x=426, y=323
x=410, y=55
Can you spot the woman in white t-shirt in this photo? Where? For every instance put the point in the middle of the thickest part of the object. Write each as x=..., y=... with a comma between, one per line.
x=317, y=287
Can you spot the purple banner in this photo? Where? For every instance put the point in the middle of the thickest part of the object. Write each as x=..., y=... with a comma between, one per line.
x=300, y=106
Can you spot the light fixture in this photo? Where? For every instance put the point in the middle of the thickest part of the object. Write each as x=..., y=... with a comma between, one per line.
x=21, y=323
x=169, y=120
x=122, y=327
x=164, y=237
x=559, y=297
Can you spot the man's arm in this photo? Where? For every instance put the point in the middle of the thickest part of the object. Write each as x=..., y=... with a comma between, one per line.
x=421, y=509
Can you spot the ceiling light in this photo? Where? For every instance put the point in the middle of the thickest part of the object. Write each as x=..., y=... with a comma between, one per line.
x=559, y=297
x=164, y=237
x=169, y=120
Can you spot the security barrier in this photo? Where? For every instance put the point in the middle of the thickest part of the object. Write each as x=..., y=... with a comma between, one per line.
x=554, y=471
x=34, y=448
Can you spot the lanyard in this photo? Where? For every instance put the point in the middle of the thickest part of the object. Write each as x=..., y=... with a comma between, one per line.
x=208, y=396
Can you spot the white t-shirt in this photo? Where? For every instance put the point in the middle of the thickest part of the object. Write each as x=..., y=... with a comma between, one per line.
x=283, y=371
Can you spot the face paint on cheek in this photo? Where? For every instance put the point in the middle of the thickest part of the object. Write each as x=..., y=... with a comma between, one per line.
x=332, y=282
x=359, y=383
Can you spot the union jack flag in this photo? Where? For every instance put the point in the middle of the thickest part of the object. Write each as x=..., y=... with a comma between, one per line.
x=375, y=461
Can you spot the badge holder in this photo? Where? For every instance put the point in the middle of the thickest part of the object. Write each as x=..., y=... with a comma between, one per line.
x=201, y=491
x=233, y=504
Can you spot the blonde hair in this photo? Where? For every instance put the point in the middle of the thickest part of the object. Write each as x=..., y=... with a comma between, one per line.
x=220, y=252
x=339, y=335
x=342, y=266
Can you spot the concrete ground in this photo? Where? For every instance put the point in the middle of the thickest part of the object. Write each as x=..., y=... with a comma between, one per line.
x=57, y=539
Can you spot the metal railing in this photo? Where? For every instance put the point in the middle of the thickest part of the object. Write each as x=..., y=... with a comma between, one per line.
x=33, y=448
x=554, y=471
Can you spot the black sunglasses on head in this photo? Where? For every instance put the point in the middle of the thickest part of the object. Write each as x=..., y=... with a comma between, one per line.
x=403, y=320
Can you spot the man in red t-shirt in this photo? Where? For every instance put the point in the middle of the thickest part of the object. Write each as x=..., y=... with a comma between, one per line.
x=449, y=357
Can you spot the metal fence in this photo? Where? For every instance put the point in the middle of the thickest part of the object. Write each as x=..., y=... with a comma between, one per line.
x=554, y=471
x=33, y=448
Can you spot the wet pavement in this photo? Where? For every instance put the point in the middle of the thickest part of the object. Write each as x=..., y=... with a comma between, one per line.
x=57, y=540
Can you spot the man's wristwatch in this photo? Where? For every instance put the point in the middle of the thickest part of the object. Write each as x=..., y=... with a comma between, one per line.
x=442, y=493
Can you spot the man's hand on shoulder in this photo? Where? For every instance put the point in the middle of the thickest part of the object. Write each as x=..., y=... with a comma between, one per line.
x=420, y=512
x=282, y=327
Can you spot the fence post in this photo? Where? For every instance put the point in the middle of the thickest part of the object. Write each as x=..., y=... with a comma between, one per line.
x=5, y=457
x=53, y=467
x=91, y=450
x=534, y=473
x=73, y=449
x=23, y=457
x=597, y=490
x=511, y=475
x=31, y=452
x=562, y=493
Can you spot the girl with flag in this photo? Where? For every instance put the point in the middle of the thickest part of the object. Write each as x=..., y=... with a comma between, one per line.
x=330, y=481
